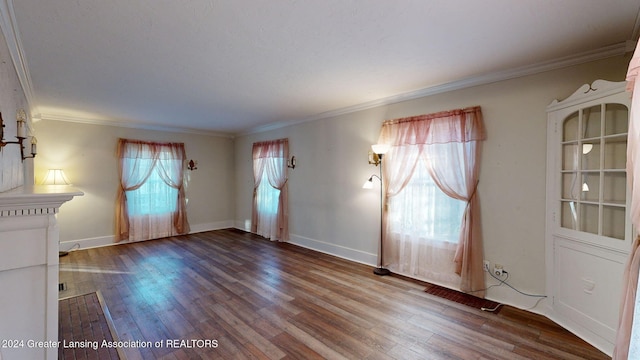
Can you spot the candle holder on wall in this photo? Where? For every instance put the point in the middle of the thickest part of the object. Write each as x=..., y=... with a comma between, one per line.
x=20, y=135
x=291, y=163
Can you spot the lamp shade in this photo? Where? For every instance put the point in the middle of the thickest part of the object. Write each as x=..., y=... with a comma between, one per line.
x=380, y=148
x=368, y=184
x=55, y=177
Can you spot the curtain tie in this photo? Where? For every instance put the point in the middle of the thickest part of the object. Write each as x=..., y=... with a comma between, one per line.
x=475, y=188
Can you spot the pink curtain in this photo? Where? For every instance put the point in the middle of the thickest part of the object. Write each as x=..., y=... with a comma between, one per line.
x=137, y=161
x=630, y=279
x=270, y=159
x=448, y=142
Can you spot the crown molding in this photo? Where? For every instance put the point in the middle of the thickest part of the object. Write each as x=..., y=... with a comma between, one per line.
x=619, y=49
x=129, y=124
x=9, y=28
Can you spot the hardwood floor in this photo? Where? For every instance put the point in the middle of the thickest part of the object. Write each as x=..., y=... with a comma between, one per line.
x=259, y=299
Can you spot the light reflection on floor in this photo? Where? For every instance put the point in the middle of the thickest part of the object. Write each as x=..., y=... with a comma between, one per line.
x=90, y=269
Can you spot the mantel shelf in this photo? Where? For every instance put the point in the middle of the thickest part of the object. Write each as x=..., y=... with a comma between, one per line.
x=36, y=199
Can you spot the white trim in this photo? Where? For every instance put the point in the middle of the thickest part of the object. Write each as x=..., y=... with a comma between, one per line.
x=343, y=252
x=88, y=243
x=335, y=250
x=110, y=240
x=216, y=225
x=589, y=92
x=244, y=225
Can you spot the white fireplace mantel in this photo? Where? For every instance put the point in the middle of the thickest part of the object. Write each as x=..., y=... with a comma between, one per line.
x=29, y=269
x=35, y=200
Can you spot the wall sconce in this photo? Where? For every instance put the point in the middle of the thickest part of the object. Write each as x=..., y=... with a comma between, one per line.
x=374, y=159
x=192, y=165
x=376, y=153
x=55, y=177
x=291, y=163
x=20, y=135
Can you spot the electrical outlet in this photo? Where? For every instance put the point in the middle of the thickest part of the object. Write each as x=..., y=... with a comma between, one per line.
x=486, y=265
x=497, y=270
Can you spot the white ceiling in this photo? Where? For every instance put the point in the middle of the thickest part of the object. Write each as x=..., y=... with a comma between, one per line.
x=235, y=66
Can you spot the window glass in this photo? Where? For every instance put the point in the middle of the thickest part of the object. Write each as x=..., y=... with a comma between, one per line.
x=423, y=210
x=154, y=196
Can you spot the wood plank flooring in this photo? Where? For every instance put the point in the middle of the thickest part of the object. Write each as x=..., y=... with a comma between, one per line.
x=228, y=294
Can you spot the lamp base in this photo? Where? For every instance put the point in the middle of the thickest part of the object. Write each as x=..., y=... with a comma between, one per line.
x=381, y=271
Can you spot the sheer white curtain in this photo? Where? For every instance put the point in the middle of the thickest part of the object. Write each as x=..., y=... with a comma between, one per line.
x=270, y=214
x=424, y=226
x=431, y=226
x=151, y=196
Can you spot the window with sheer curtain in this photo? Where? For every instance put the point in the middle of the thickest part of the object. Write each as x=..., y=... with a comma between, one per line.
x=422, y=208
x=270, y=195
x=151, y=197
x=431, y=175
x=154, y=196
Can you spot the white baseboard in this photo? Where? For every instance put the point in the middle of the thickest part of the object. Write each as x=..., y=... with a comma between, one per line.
x=335, y=250
x=88, y=243
x=216, y=225
x=110, y=239
x=244, y=225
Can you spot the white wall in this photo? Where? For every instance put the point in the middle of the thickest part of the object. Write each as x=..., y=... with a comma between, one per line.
x=330, y=212
x=87, y=154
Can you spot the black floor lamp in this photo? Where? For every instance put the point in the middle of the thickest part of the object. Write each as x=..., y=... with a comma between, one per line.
x=378, y=153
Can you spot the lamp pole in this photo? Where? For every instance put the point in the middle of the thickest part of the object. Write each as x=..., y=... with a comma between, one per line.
x=380, y=270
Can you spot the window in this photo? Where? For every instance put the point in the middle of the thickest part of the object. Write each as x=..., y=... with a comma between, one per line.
x=431, y=176
x=154, y=196
x=151, y=196
x=421, y=208
x=267, y=197
x=424, y=226
x=269, y=216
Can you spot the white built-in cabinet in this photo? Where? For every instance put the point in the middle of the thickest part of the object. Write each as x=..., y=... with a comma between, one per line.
x=29, y=271
x=588, y=232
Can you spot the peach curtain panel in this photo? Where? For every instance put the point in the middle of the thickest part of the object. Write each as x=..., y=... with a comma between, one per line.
x=630, y=277
x=138, y=160
x=447, y=144
x=270, y=164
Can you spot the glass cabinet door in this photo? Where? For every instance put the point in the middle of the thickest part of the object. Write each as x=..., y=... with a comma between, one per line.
x=593, y=175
